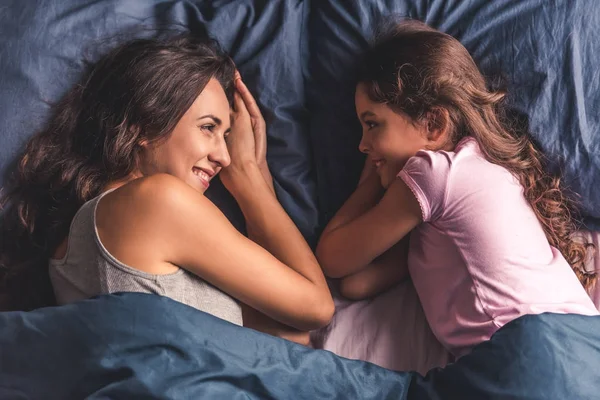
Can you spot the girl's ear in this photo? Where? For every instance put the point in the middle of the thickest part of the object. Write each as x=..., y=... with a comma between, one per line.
x=438, y=125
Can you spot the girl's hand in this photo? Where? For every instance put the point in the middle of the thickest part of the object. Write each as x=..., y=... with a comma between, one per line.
x=369, y=171
x=384, y=272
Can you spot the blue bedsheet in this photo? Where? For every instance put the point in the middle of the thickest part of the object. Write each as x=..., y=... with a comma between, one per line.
x=144, y=346
x=298, y=57
x=547, y=51
x=43, y=45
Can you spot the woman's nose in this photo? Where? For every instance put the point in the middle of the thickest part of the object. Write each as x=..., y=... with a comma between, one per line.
x=220, y=154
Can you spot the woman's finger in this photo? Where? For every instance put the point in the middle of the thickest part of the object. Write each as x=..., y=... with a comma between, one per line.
x=249, y=100
x=238, y=104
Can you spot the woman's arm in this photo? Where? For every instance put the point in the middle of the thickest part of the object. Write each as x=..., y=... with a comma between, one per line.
x=253, y=318
x=383, y=273
x=158, y=222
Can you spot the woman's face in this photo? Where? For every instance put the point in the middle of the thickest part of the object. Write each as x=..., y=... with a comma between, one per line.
x=389, y=138
x=196, y=150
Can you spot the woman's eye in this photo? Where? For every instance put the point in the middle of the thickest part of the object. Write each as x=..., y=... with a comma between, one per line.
x=209, y=127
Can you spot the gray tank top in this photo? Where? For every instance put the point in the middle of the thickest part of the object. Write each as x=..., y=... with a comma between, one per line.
x=88, y=270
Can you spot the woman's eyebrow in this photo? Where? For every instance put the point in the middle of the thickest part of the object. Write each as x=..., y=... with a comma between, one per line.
x=216, y=119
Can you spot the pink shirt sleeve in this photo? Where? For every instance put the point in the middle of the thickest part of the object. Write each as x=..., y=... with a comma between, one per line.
x=426, y=174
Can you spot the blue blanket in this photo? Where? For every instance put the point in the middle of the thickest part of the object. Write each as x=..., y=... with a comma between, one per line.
x=145, y=346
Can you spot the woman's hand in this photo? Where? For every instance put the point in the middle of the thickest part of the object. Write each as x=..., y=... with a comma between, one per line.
x=247, y=141
x=256, y=121
x=258, y=127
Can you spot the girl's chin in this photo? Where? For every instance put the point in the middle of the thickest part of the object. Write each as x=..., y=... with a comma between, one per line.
x=385, y=182
x=386, y=179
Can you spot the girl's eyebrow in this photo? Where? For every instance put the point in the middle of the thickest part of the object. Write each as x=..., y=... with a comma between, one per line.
x=367, y=114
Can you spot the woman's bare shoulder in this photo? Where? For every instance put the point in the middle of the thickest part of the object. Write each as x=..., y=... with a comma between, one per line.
x=152, y=194
x=138, y=221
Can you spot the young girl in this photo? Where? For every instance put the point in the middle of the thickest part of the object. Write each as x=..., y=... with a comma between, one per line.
x=110, y=196
x=490, y=230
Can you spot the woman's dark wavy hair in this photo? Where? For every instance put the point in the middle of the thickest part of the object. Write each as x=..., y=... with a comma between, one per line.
x=415, y=69
x=136, y=93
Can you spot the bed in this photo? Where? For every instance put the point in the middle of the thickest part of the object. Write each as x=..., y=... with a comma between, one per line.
x=298, y=58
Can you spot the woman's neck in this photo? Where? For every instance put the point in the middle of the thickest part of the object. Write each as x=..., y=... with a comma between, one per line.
x=120, y=182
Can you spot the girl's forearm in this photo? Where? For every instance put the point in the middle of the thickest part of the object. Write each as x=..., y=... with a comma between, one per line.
x=383, y=273
x=367, y=194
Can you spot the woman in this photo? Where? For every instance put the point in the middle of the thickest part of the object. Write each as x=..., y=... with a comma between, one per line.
x=111, y=195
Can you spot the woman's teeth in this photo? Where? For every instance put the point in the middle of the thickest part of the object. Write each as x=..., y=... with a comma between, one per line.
x=201, y=174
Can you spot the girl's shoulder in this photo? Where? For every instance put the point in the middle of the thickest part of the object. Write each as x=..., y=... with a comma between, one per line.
x=442, y=161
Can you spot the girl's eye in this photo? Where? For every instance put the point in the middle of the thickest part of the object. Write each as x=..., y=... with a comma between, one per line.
x=226, y=137
x=370, y=125
x=209, y=127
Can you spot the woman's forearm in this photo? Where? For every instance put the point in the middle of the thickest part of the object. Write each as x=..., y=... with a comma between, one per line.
x=253, y=318
x=272, y=228
x=266, y=173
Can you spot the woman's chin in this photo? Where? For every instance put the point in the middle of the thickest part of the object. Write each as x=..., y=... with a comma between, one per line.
x=196, y=185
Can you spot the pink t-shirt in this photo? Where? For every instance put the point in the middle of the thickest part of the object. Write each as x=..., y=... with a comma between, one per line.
x=480, y=259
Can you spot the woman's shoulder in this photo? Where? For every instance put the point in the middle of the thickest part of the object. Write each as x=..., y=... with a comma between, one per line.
x=140, y=222
x=158, y=190
x=151, y=200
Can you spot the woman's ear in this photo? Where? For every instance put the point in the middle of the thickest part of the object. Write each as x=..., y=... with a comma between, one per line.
x=438, y=125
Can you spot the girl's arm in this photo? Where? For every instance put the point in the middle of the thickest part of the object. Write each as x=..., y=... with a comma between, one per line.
x=383, y=273
x=367, y=194
x=350, y=244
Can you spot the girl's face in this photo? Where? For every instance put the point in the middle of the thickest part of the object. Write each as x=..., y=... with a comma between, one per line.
x=196, y=150
x=389, y=138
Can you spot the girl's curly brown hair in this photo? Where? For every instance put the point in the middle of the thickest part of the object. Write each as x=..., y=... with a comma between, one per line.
x=415, y=69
